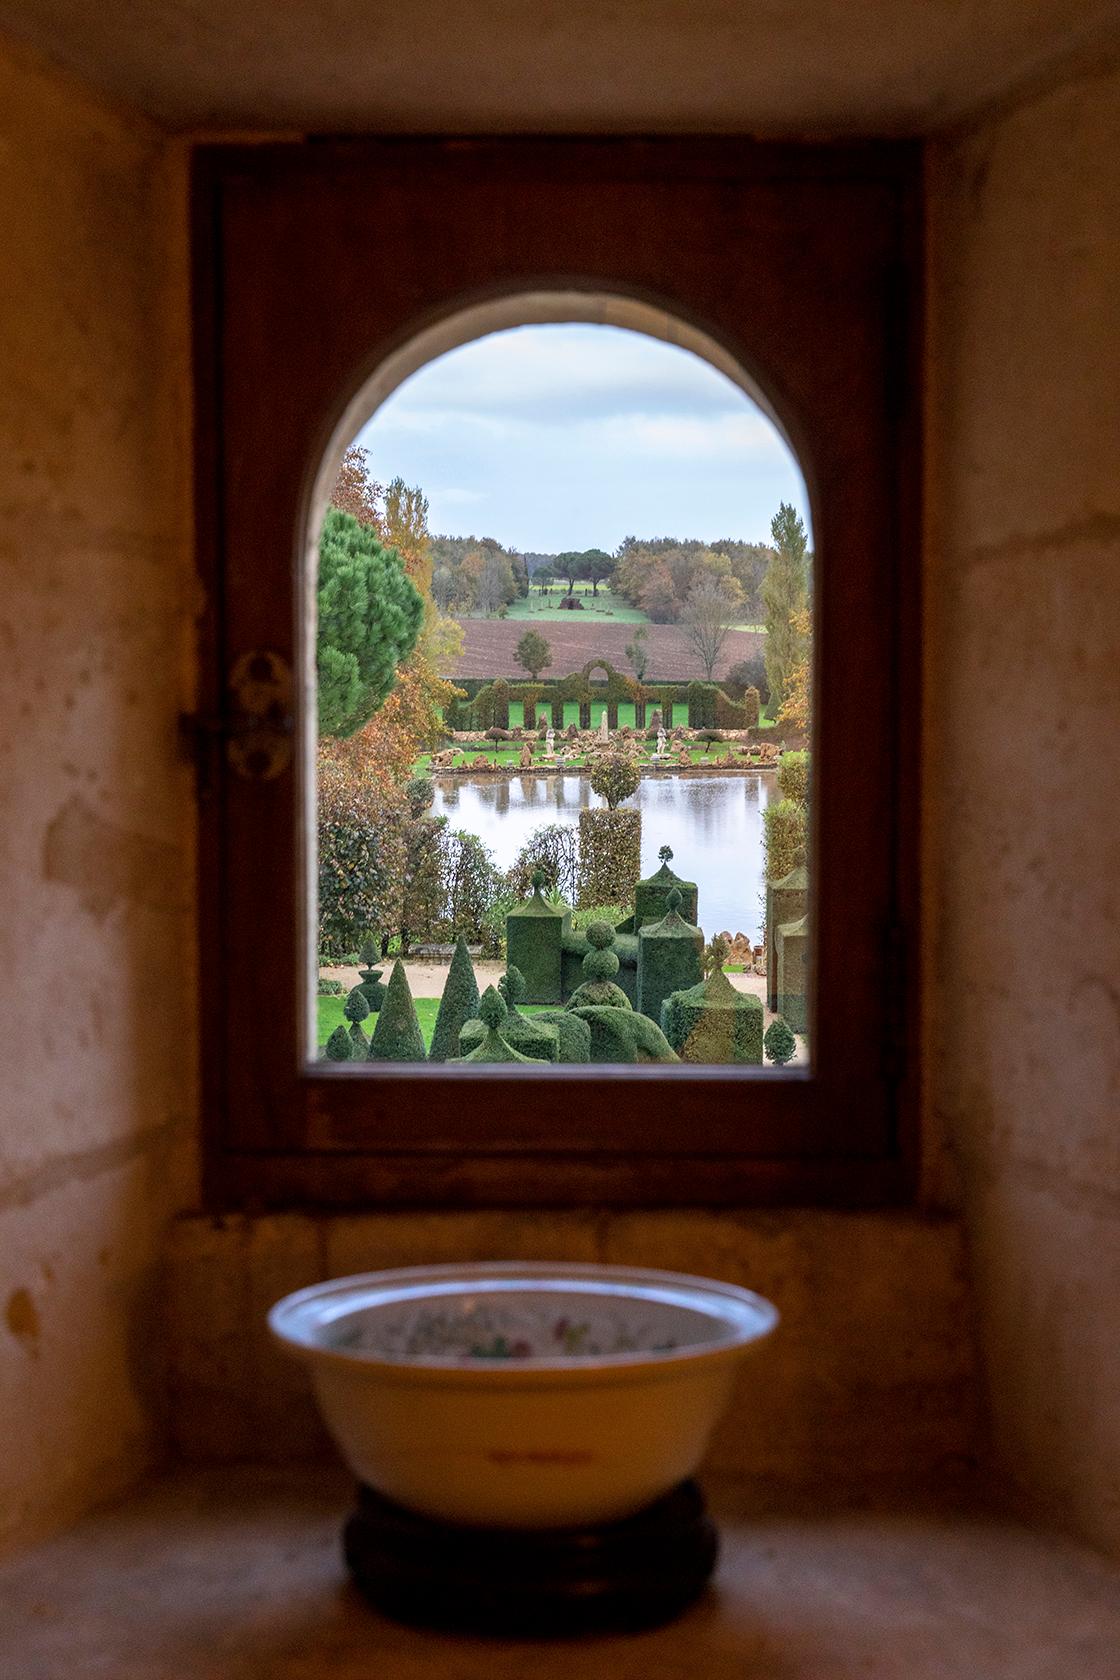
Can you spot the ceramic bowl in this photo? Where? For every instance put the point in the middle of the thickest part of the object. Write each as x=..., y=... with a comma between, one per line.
x=522, y=1396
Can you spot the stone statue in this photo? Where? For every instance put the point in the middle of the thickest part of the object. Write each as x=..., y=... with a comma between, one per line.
x=661, y=739
x=526, y=756
x=604, y=729
x=550, y=742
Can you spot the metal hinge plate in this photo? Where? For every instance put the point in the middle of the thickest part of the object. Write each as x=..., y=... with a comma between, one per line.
x=256, y=721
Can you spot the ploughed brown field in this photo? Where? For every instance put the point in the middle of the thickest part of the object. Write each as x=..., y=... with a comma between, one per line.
x=489, y=644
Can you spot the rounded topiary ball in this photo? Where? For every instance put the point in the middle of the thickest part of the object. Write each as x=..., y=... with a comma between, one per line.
x=601, y=964
x=600, y=935
x=778, y=1041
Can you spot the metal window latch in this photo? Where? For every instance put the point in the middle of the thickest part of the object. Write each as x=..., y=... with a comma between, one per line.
x=255, y=723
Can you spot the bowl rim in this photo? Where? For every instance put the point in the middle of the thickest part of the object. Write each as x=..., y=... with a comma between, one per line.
x=749, y=1317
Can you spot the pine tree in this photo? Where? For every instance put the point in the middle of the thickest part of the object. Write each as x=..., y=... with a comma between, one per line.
x=784, y=592
x=458, y=1005
x=370, y=615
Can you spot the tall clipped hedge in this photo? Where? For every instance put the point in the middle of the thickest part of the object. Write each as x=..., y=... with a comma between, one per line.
x=610, y=855
x=500, y=693
x=737, y=714
x=701, y=705
x=784, y=837
x=793, y=776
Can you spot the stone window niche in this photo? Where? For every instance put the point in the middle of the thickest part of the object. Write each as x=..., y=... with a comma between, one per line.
x=324, y=276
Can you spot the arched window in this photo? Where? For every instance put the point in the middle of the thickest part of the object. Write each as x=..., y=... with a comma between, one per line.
x=340, y=272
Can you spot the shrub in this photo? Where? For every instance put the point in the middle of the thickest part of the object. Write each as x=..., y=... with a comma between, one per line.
x=610, y=847
x=362, y=856
x=749, y=673
x=793, y=776
x=615, y=776
x=553, y=849
x=470, y=885
x=329, y=988
x=778, y=1041
x=784, y=828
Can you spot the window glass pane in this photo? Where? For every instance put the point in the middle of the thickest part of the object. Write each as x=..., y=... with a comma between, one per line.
x=562, y=769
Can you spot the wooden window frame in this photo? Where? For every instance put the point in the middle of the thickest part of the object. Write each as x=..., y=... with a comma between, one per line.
x=313, y=263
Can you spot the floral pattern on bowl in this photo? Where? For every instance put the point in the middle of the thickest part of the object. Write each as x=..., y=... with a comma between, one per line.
x=498, y=1326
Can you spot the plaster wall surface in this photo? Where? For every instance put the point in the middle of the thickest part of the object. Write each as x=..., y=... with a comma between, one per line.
x=96, y=934
x=1023, y=772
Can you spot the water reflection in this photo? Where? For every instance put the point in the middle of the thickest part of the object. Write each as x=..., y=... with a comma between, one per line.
x=713, y=823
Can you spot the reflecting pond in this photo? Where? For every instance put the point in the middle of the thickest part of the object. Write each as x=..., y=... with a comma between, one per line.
x=712, y=822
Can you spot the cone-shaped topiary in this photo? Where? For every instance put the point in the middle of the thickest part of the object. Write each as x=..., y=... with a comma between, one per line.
x=397, y=1036
x=337, y=1048
x=779, y=1042
x=458, y=1005
x=492, y=1013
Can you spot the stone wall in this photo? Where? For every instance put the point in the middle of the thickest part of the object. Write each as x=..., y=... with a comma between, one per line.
x=866, y=1391
x=96, y=873
x=1023, y=772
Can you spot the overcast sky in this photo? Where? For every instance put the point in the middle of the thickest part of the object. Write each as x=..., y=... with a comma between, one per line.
x=570, y=437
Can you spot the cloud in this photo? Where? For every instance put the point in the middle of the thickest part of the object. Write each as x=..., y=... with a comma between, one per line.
x=554, y=437
x=552, y=374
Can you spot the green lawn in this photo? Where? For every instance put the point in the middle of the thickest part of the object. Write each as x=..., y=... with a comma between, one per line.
x=331, y=1016
x=541, y=608
x=508, y=755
